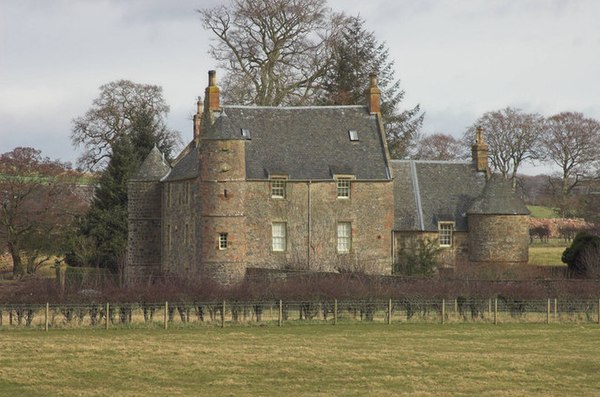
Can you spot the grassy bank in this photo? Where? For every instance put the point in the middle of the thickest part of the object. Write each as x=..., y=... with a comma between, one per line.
x=415, y=359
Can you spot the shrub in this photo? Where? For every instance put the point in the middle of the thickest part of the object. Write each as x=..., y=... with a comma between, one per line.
x=583, y=256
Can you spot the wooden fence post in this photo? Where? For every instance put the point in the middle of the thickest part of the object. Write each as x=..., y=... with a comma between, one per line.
x=598, y=311
x=166, y=316
x=46, y=317
x=490, y=307
x=335, y=310
x=555, y=309
x=548, y=312
x=390, y=312
x=443, y=309
x=107, y=314
x=223, y=315
x=495, y=310
x=456, y=308
x=280, y=316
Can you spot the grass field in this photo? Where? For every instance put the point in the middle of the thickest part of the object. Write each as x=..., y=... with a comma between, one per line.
x=542, y=212
x=345, y=360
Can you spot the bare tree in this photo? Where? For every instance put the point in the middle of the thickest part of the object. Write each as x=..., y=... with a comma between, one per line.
x=114, y=114
x=274, y=51
x=440, y=147
x=571, y=141
x=513, y=138
x=39, y=203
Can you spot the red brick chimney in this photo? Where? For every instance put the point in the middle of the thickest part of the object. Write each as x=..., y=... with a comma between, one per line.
x=373, y=94
x=479, y=151
x=198, y=120
x=211, y=95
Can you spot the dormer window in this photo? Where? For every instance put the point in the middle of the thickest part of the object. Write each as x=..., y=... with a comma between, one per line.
x=353, y=135
x=246, y=133
x=278, y=187
x=445, y=233
x=343, y=187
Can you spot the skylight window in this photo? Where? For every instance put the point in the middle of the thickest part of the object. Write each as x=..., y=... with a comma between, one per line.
x=246, y=133
x=353, y=134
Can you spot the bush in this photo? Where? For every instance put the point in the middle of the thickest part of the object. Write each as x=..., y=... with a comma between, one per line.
x=420, y=258
x=583, y=256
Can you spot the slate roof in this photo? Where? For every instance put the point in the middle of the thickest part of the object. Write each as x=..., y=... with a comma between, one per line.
x=153, y=168
x=305, y=142
x=427, y=192
x=186, y=166
x=498, y=198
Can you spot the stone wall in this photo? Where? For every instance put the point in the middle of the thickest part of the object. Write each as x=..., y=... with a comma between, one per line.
x=458, y=252
x=144, y=228
x=499, y=238
x=180, y=235
x=369, y=210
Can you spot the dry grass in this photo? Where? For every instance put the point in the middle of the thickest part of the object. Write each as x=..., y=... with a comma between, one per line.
x=348, y=360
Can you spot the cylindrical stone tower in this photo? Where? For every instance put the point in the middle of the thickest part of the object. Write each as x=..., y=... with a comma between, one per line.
x=498, y=226
x=144, y=192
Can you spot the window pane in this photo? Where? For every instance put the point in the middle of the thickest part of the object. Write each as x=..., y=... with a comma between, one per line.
x=445, y=234
x=279, y=236
x=223, y=241
x=344, y=237
x=343, y=187
x=278, y=187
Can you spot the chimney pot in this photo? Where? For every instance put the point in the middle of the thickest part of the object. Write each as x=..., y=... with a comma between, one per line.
x=373, y=95
x=212, y=93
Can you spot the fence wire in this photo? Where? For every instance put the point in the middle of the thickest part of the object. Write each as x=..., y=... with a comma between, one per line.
x=280, y=313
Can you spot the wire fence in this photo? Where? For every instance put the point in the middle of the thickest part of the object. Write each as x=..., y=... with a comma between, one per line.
x=282, y=313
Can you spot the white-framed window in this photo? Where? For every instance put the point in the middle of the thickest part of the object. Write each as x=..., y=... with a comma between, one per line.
x=343, y=187
x=279, y=236
x=278, y=187
x=223, y=241
x=344, y=236
x=445, y=233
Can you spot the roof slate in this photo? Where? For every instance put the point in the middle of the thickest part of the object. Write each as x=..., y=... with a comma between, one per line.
x=446, y=190
x=186, y=167
x=498, y=198
x=153, y=168
x=305, y=142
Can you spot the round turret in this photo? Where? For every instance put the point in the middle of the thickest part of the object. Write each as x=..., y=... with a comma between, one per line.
x=498, y=225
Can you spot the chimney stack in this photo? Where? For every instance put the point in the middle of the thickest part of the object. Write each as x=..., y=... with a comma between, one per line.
x=479, y=151
x=211, y=95
x=198, y=120
x=373, y=94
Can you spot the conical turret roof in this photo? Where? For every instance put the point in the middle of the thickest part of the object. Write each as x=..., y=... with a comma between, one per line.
x=498, y=198
x=154, y=167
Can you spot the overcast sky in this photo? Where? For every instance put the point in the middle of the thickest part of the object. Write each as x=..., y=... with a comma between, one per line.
x=457, y=59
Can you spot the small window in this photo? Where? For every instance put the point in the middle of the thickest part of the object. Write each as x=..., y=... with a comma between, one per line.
x=246, y=133
x=279, y=236
x=344, y=237
x=278, y=187
x=343, y=187
x=445, y=234
x=223, y=241
x=353, y=134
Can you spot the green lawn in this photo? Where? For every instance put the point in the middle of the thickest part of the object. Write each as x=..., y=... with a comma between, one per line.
x=542, y=212
x=344, y=360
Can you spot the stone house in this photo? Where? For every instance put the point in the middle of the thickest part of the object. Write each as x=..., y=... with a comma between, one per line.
x=310, y=188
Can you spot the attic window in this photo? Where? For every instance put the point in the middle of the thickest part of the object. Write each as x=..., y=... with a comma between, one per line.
x=445, y=233
x=246, y=133
x=353, y=134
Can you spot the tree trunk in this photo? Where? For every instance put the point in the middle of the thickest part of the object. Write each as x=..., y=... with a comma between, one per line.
x=18, y=268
